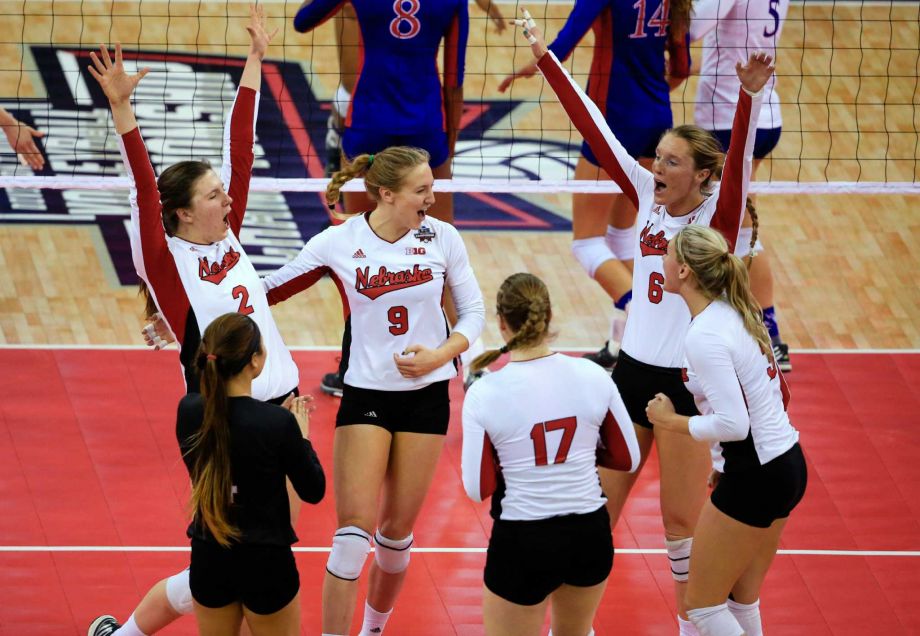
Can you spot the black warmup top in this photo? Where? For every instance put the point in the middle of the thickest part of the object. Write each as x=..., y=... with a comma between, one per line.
x=265, y=447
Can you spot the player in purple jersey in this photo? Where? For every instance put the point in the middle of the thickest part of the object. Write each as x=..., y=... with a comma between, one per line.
x=398, y=98
x=630, y=83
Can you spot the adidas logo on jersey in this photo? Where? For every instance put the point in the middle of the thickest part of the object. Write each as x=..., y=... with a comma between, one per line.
x=370, y=414
x=359, y=254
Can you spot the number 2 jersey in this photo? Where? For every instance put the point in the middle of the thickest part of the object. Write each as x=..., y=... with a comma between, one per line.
x=658, y=321
x=739, y=391
x=398, y=86
x=392, y=294
x=193, y=284
x=531, y=434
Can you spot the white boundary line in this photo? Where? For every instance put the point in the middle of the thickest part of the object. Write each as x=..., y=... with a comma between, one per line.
x=322, y=549
x=562, y=347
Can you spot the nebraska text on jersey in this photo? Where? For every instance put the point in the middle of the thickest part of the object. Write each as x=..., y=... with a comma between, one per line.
x=216, y=272
x=386, y=281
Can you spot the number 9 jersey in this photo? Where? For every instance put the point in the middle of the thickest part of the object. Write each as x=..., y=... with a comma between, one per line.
x=392, y=294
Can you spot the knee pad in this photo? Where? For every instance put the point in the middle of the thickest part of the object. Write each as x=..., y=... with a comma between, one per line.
x=179, y=593
x=392, y=555
x=622, y=242
x=350, y=546
x=679, y=556
x=591, y=253
x=715, y=621
x=743, y=246
x=341, y=101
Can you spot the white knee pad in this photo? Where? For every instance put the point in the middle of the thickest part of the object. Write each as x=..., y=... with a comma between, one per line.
x=715, y=621
x=679, y=556
x=341, y=101
x=622, y=242
x=392, y=555
x=591, y=253
x=179, y=593
x=743, y=246
x=350, y=546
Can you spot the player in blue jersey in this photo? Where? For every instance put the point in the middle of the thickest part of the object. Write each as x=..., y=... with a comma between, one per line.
x=630, y=81
x=398, y=98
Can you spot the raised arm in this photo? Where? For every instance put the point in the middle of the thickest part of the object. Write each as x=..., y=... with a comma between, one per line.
x=313, y=13
x=239, y=130
x=736, y=175
x=150, y=254
x=633, y=179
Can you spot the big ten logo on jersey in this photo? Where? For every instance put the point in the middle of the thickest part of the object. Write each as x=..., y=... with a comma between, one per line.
x=178, y=125
x=657, y=25
x=217, y=272
x=406, y=25
x=415, y=251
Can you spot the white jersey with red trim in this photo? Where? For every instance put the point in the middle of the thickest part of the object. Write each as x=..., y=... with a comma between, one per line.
x=392, y=294
x=658, y=322
x=194, y=284
x=534, y=432
x=739, y=391
x=731, y=31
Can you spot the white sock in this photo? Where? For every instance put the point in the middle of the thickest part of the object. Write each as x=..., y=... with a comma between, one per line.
x=748, y=616
x=617, y=328
x=687, y=628
x=374, y=621
x=130, y=628
x=715, y=621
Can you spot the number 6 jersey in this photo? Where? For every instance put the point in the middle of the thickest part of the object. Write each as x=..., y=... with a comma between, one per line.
x=392, y=294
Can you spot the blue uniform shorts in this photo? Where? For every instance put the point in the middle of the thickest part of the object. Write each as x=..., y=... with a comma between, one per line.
x=764, y=142
x=358, y=141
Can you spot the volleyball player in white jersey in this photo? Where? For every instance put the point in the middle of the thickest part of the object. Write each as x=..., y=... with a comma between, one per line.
x=393, y=266
x=760, y=473
x=729, y=30
x=531, y=434
x=185, y=248
x=678, y=191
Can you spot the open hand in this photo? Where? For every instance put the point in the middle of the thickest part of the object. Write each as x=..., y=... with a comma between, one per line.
x=532, y=32
x=259, y=37
x=115, y=82
x=22, y=141
x=756, y=72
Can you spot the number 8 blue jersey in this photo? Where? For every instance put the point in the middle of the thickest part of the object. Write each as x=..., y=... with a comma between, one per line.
x=398, y=87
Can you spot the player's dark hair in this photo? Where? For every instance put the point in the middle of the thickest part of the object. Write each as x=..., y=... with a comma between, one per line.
x=227, y=346
x=150, y=307
x=680, y=16
x=523, y=303
x=705, y=150
x=385, y=169
x=720, y=273
x=177, y=187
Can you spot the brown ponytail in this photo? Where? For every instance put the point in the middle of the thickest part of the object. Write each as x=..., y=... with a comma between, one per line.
x=755, y=229
x=717, y=272
x=385, y=169
x=523, y=303
x=227, y=346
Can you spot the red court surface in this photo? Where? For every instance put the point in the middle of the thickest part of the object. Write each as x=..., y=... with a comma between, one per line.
x=93, y=495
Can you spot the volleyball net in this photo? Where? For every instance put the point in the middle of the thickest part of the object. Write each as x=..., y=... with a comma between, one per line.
x=847, y=74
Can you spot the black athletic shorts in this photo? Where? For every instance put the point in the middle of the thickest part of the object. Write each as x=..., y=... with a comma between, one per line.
x=639, y=382
x=761, y=495
x=528, y=560
x=262, y=577
x=425, y=410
